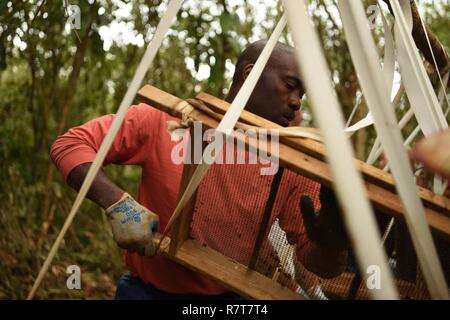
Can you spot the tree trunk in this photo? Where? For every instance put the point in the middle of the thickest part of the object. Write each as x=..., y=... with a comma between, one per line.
x=70, y=93
x=420, y=39
x=360, y=137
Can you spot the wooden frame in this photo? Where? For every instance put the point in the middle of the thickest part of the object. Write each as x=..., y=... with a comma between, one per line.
x=227, y=272
x=181, y=227
x=303, y=156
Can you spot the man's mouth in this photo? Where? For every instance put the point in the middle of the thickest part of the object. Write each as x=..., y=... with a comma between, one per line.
x=285, y=121
x=289, y=117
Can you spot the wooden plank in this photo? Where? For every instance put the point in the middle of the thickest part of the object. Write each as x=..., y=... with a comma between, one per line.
x=181, y=227
x=306, y=164
x=262, y=232
x=253, y=285
x=163, y=101
x=175, y=107
x=383, y=200
x=316, y=149
x=227, y=272
x=238, y=277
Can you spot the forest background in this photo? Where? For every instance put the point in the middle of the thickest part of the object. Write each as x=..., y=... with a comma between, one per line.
x=53, y=77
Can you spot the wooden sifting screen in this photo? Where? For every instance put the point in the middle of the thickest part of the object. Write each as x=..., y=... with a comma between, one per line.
x=251, y=255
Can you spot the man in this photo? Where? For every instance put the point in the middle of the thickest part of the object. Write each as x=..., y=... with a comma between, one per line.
x=143, y=140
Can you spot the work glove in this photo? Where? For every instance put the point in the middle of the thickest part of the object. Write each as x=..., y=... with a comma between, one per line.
x=133, y=225
x=325, y=226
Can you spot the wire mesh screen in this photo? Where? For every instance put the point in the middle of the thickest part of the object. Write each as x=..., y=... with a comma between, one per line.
x=255, y=220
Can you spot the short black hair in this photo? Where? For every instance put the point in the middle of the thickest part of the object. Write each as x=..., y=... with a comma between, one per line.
x=251, y=54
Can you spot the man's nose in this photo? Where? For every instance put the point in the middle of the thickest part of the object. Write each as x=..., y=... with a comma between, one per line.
x=295, y=103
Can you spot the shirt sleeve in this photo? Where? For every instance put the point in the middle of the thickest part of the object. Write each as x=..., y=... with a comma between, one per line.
x=80, y=144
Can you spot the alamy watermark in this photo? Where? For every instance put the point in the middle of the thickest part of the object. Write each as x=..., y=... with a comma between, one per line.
x=73, y=14
x=374, y=15
x=251, y=146
x=373, y=281
x=373, y=12
x=74, y=280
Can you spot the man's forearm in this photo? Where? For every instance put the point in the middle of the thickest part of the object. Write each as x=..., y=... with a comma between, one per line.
x=103, y=191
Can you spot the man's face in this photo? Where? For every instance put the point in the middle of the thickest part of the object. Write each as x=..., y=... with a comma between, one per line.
x=277, y=95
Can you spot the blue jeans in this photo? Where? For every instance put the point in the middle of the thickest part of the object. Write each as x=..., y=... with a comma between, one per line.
x=133, y=288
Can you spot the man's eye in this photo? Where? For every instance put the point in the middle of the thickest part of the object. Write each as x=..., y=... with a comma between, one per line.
x=290, y=86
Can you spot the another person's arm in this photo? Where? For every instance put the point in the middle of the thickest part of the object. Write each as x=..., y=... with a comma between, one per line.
x=434, y=153
x=321, y=243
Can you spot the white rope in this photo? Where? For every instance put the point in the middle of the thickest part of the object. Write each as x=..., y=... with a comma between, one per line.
x=127, y=101
x=358, y=215
x=365, y=59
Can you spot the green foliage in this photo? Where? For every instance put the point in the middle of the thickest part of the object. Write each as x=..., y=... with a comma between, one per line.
x=53, y=78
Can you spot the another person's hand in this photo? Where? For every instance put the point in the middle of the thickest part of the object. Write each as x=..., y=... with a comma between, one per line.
x=434, y=153
x=325, y=227
x=133, y=225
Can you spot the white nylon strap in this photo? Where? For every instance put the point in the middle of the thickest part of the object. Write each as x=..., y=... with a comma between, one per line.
x=145, y=63
x=388, y=72
x=418, y=87
x=363, y=123
x=443, y=93
x=389, y=58
x=358, y=100
x=365, y=59
x=420, y=92
x=358, y=215
x=173, y=128
x=389, y=53
x=401, y=124
x=439, y=185
x=229, y=120
x=377, y=149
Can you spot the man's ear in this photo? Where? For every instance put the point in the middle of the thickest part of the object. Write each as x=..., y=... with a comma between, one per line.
x=246, y=70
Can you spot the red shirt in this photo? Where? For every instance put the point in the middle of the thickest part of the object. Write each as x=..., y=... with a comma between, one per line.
x=230, y=200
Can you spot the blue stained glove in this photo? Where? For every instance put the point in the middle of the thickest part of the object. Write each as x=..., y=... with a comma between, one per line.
x=133, y=226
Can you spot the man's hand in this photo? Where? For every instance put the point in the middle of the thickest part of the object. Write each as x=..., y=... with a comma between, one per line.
x=133, y=225
x=325, y=227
